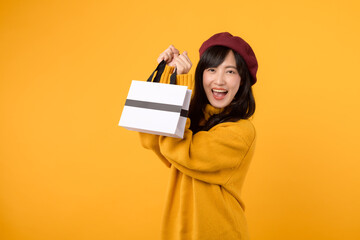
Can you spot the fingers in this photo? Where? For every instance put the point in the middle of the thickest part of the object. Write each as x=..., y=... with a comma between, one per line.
x=166, y=56
x=186, y=56
x=174, y=50
x=169, y=54
x=182, y=63
x=173, y=57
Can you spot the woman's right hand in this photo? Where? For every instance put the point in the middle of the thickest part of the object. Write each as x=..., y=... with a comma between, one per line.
x=173, y=58
x=169, y=55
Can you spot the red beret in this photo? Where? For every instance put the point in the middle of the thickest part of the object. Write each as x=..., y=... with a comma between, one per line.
x=238, y=45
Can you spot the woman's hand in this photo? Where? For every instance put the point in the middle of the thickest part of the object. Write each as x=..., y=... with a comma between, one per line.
x=173, y=58
x=182, y=63
x=168, y=55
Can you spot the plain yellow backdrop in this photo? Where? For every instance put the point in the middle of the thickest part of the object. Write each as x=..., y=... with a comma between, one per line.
x=67, y=171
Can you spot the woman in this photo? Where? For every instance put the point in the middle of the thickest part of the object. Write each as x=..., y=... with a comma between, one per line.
x=209, y=164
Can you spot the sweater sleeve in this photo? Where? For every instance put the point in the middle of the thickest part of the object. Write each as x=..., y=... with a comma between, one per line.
x=210, y=156
x=181, y=79
x=151, y=141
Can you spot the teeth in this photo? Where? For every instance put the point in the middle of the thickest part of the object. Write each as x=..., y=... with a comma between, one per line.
x=220, y=91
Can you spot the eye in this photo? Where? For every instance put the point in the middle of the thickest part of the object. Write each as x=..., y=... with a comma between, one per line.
x=232, y=72
x=210, y=70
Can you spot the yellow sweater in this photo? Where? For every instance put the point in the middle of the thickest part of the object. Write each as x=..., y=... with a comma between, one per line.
x=207, y=171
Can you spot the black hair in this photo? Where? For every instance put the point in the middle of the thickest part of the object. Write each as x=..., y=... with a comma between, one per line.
x=243, y=104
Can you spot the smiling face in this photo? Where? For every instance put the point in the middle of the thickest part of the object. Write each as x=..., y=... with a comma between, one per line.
x=221, y=83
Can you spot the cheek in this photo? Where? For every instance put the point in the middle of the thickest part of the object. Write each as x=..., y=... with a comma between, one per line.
x=206, y=80
x=236, y=84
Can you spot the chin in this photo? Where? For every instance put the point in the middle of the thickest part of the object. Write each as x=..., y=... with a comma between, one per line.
x=218, y=104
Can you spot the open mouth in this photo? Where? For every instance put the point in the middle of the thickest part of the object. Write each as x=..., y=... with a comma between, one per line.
x=219, y=94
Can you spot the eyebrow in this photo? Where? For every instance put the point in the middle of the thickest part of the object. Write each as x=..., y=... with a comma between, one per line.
x=230, y=67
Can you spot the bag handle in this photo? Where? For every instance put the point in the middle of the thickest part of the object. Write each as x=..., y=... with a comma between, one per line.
x=159, y=71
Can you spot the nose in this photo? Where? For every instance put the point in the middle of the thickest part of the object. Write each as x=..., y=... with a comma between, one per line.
x=220, y=78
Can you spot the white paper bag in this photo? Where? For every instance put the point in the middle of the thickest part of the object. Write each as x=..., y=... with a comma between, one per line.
x=156, y=108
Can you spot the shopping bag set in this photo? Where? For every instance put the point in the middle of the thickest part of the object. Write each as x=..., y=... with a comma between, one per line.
x=156, y=108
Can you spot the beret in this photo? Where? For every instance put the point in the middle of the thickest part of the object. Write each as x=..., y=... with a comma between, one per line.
x=238, y=45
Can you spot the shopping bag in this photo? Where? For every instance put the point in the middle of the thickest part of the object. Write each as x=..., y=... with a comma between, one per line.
x=156, y=108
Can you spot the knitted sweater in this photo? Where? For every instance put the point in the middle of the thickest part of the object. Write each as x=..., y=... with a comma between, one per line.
x=207, y=171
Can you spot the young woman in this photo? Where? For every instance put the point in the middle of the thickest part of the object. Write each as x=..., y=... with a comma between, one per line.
x=208, y=166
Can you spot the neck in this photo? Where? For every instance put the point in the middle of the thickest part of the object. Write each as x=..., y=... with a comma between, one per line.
x=211, y=110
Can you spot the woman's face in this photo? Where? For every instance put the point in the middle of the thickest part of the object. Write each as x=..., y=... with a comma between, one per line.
x=221, y=83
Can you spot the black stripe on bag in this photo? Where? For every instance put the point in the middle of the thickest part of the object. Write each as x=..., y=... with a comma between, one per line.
x=156, y=106
x=184, y=113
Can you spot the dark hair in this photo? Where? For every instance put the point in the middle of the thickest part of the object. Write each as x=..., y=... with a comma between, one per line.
x=243, y=105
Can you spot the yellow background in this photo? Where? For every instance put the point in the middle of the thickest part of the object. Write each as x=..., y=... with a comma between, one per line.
x=67, y=171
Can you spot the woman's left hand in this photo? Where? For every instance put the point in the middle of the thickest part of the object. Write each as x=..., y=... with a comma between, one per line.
x=182, y=63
